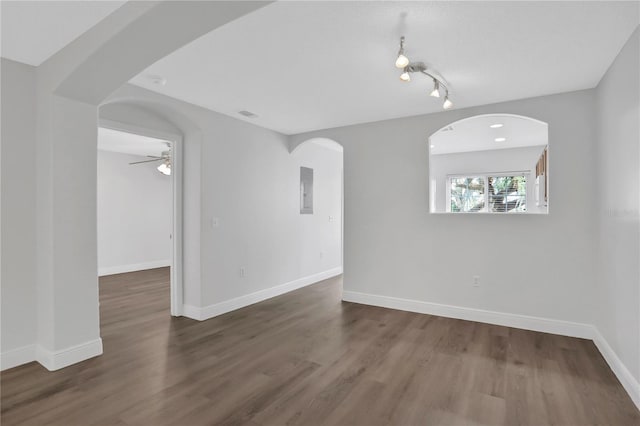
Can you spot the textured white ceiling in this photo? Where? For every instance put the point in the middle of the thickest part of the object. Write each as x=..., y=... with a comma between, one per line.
x=33, y=31
x=129, y=143
x=302, y=66
x=475, y=134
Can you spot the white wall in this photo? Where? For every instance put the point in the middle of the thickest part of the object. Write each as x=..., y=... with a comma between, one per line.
x=252, y=184
x=18, y=189
x=617, y=307
x=135, y=211
x=394, y=247
x=249, y=182
x=488, y=161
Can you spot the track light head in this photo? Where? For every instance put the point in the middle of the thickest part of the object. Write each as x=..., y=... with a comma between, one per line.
x=405, y=76
x=447, y=102
x=401, y=61
x=436, y=89
x=165, y=168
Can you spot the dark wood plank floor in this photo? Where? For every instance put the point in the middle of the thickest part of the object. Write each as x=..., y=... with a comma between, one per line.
x=305, y=358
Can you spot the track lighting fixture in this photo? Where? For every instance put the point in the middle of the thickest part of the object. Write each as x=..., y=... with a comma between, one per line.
x=401, y=61
x=419, y=67
x=436, y=89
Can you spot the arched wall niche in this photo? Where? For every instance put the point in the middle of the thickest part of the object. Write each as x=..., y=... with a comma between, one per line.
x=489, y=163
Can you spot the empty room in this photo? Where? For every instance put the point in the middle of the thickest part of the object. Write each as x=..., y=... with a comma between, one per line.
x=320, y=213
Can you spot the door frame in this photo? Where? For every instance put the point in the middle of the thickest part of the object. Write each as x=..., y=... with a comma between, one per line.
x=176, y=141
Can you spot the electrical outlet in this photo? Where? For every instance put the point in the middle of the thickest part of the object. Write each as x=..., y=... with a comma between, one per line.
x=476, y=280
x=242, y=272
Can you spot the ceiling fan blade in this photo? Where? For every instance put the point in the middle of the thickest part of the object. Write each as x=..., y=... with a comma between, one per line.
x=146, y=161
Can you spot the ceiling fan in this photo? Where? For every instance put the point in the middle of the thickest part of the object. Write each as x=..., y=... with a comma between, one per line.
x=165, y=167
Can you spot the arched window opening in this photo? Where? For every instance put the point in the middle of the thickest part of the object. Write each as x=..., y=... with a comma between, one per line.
x=493, y=163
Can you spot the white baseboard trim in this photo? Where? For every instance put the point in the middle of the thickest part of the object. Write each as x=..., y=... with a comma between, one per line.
x=18, y=356
x=51, y=360
x=630, y=384
x=192, y=312
x=545, y=325
x=565, y=328
x=121, y=269
x=214, y=310
x=55, y=360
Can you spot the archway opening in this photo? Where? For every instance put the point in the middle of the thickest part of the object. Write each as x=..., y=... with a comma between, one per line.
x=321, y=165
x=491, y=163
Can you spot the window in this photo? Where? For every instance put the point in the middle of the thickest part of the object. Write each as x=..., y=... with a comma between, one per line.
x=467, y=194
x=489, y=193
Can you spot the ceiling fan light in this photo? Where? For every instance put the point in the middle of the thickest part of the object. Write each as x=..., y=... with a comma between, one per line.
x=436, y=89
x=165, y=169
x=405, y=76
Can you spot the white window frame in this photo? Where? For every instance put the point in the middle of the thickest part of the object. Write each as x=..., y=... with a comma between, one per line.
x=485, y=176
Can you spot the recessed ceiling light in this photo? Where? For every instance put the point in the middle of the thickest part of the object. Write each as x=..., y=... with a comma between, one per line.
x=496, y=126
x=158, y=80
x=500, y=139
x=433, y=146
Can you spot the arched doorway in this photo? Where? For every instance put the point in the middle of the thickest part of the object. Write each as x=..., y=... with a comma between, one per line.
x=331, y=154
